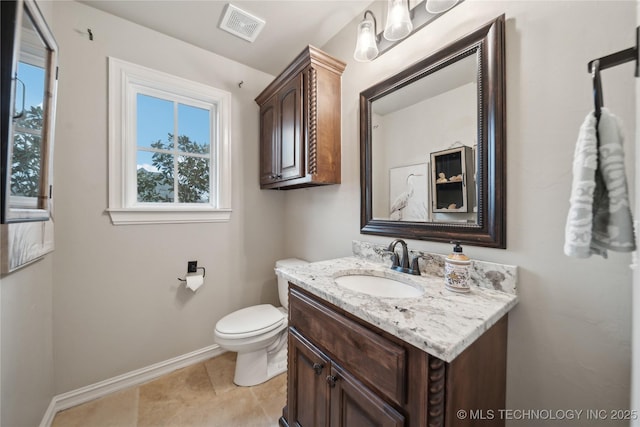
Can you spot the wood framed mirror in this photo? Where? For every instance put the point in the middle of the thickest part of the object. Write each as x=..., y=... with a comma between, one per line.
x=432, y=146
x=27, y=114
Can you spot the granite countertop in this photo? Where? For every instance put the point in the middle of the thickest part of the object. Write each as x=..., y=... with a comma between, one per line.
x=440, y=322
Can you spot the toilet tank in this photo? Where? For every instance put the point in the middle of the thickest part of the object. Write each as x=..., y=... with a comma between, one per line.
x=283, y=285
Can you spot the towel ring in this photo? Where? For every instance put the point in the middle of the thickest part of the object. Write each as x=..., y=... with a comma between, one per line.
x=597, y=88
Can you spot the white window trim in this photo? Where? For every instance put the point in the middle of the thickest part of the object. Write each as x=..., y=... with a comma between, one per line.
x=122, y=77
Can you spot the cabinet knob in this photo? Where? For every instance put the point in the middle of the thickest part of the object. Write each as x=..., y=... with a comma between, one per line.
x=331, y=380
x=279, y=176
x=318, y=367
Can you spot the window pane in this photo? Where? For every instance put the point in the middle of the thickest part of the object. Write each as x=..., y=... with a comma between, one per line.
x=194, y=128
x=155, y=122
x=25, y=165
x=193, y=179
x=155, y=177
x=33, y=79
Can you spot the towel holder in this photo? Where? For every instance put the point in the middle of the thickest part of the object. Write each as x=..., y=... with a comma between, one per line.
x=597, y=88
x=621, y=57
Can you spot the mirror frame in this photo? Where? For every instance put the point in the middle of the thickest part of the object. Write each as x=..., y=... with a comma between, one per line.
x=12, y=16
x=490, y=230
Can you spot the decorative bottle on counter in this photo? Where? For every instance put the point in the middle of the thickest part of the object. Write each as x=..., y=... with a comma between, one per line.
x=457, y=270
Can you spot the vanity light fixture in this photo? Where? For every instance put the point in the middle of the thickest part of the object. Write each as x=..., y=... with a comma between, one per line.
x=399, y=23
x=367, y=42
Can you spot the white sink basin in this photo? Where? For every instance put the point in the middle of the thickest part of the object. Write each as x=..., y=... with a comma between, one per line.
x=378, y=286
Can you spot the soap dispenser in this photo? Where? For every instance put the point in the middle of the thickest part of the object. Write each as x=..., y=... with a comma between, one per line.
x=457, y=270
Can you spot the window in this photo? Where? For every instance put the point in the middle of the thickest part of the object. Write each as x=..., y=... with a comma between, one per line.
x=169, y=154
x=28, y=187
x=27, y=138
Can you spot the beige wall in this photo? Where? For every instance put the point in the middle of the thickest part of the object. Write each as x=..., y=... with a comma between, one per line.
x=569, y=338
x=117, y=303
x=27, y=351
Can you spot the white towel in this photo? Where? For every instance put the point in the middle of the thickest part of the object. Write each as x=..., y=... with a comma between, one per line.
x=599, y=215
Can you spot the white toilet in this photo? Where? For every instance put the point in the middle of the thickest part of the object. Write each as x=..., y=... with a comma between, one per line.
x=259, y=335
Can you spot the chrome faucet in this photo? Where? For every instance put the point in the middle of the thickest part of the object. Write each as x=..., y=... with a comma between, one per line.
x=401, y=264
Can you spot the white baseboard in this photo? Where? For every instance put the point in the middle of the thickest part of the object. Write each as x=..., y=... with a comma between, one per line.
x=139, y=376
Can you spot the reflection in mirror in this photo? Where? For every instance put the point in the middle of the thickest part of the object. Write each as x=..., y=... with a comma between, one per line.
x=27, y=134
x=428, y=154
x=432, y=146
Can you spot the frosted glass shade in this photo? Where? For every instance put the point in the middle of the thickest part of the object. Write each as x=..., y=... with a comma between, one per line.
x=366, y=46
x=439, y=6
x=399, y=23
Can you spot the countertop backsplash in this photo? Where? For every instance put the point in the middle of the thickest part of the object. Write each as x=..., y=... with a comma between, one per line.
x=490, y=275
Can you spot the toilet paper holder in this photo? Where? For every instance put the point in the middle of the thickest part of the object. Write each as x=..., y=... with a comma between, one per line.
x=192, y=267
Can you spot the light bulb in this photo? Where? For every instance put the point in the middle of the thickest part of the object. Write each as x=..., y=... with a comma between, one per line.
x=439, y=6
x=399, y=23
x=366, y=46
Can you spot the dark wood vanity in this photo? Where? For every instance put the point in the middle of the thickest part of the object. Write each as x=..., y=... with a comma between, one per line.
x=300, y=123
x=345, y=372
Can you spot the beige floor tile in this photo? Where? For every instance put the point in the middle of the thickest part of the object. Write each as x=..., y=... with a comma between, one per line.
x=272, y=396
x=221, y=370
x=238, y=408
x=116, y=410
x=175, y=399
x=201, y=395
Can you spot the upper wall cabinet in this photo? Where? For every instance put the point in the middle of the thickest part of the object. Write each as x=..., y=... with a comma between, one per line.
x=300, y=123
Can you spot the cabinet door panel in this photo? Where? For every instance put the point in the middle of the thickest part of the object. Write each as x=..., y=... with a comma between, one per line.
x=357, y=348
x=291, y=153
x=268, y=121
x=353, y=404
x=308, y=393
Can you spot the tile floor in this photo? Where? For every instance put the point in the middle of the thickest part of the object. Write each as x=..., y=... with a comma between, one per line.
x=200, y=395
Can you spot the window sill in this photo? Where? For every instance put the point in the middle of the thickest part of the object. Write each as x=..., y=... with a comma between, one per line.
x=167, y=216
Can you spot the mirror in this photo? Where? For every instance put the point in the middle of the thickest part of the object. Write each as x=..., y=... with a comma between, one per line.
x=29, y=68
x=432, y=143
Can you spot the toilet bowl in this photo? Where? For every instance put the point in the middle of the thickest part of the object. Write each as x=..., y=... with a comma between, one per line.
x=259, y=335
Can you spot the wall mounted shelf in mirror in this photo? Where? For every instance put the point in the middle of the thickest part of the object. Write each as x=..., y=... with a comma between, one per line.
x=442, y=118
x=27, y=114
x=453, y=186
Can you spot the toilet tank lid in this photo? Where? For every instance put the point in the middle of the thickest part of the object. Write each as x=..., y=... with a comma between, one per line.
x=290, y=262
x=263, y=318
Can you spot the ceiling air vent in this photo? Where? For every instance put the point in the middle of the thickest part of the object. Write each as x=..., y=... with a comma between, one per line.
x=240, y=23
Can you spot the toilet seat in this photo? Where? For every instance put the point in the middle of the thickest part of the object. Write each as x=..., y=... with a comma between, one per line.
x=249, y=322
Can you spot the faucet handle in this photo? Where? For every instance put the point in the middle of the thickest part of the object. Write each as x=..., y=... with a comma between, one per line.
x=415, y=266
x=395, y=261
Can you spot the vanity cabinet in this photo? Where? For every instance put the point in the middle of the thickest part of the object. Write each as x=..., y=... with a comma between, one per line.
x=345, y=372
x=326, y=394
x=452, y=173
x=300, y=123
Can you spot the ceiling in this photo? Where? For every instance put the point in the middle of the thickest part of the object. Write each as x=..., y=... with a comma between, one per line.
x=290, y=25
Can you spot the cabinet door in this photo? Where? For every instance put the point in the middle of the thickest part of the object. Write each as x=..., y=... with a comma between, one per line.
x=353, y=404
x=308, y=391
x=268, y=140
x=291, y=137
